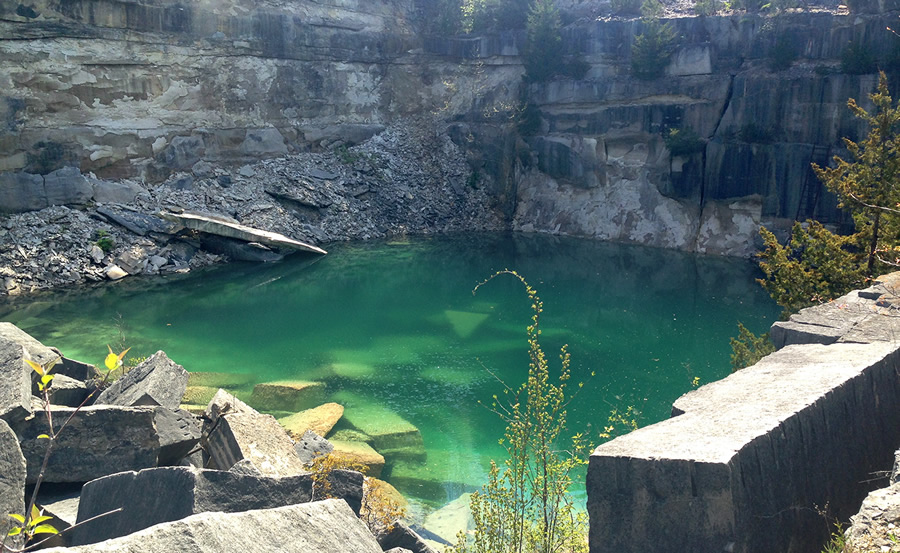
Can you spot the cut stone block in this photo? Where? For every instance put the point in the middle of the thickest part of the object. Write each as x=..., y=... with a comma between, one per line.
x=326, y=526
x=156, y=381
x=179, y=432
x=430, y=480
x=443, y=525
x=15, y=382
x=807, y=425
x=12, y=477
x=287, y=395
x=387, y=429
x=99, y=440
x=166, y=494
x=235, y=431
x=465, y=323
x=361, y=453
x=198, y=395
x=38, y=352
x=402, y=536
x=320, y=420
x=67, y=391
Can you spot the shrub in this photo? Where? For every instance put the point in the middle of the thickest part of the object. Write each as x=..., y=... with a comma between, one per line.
x=651, y=9
x=748, y=348
x=526, y=506
x=858, y=59
x=652, y=49
x=707, y=7
x=682, y=142
x=104, y=241
x=543, y=46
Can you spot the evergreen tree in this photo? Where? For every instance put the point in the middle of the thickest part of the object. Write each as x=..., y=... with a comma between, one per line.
x=543, y=49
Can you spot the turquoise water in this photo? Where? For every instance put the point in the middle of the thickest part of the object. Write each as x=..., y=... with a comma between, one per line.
x=395, y=325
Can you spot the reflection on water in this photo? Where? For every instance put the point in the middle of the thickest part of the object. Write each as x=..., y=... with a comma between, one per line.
x=395, y=324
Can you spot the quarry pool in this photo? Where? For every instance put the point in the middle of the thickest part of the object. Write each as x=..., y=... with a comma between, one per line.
x=392, y=331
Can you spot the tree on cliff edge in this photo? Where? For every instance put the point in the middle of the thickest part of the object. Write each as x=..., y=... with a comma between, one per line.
x=817, y=265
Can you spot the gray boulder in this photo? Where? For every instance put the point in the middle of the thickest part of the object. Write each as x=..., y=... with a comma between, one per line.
x=15, y=382
x=402, y=536
x=235, y=431
x=326, y=526
x=138, y=223
x=99, y=440
x=67, y=186
x=179, y=433
x=75, y=369
x=263, y=142
x=156, y=381
x=21, y=192
x=67, y=391
x=311, y=445
x=37, y=351
x=12, y=477
x=107, y=192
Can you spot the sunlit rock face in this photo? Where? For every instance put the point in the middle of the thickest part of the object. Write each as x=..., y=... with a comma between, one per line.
x=145, y=90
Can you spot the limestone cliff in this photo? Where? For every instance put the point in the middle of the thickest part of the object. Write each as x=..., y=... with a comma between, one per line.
x=145, y=89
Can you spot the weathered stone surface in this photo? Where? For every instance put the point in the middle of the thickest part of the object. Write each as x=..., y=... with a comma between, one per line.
x=403, y=536
x=734, y=468
x=75, y=369
x=139, y=223
x=12, y=476
x=108, y=192
x=158, y=495
x=15, y=381
x=21, y=192
x=179, y=433
x=235, y=431
x=876, y=525
x=99, y=440
x=327, y=526
x=287, y=395
x=311, y=445
x=442, y=526
x=387, y=429
x=360, y=453
x=319, y=419
x=156, y=381
x=67, y=186
x=37, y=351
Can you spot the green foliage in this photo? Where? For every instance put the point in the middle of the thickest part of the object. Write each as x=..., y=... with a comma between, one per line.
x=493, y=15
x=445, y=17
x=708, y=7
x=869, y=186
x=620, y=422
x=543, y=45
x=683, y=142
x=748, y=348
x=858, y=59
x=525, y=507
x=815, y=265
x=837, y=543
x=104, y=241
x=651, y=9
x=652, y=49
x=783, y=53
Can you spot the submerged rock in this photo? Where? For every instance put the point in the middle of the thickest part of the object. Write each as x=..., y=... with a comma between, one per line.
x=287, y=395
x=320, y=420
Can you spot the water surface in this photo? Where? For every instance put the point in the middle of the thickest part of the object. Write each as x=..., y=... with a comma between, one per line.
x=395, y=324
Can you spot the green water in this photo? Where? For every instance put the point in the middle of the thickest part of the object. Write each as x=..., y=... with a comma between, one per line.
x=395, y=325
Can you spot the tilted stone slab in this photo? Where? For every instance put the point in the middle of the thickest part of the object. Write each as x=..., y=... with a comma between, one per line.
x=12, y=477
x=179, y=433
x=359, y=453
x=156, y=381
x=38, y=352
x=228, y=229
x=328, y=526
x=157, y=495
x=749, y=458
x=319, y=419
x=387, y=429
x=15, y=381
x=236, y=431
x=100, y=440
x=287, y=395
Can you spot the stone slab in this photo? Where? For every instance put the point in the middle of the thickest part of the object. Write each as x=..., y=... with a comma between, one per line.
x=319, y=419
x=156, y=381
x=743, y=465
x=228, y=229
x=328, y=526
x=15, y=382
x=179, y=433
x=99, y=440
x=361, y=453
x=287, y=395
x=12, y=477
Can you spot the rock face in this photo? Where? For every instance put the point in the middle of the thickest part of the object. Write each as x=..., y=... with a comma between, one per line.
x=874, y=528
x=99, y=440
x=15, y=391
x=156, y=381
x=733, y=469
x=327, y=526
x=12, y=476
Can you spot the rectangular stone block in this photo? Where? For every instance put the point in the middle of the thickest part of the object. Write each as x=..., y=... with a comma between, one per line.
x=751, y=458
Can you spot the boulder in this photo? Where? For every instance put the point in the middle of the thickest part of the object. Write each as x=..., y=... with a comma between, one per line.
x=21, y=192
x=12, y=477
x=37, y=352
x=67, y=391
x=179, y=433
x=235, y=431
x=67, y=186
x=75, y=369
x=320, y=420
x=387, y=429
x=326, y=526
x=443, y=525
x=311, y=445
x=15, y=381
x=166, y=494
x=875, y=527
x=287, y=395
x=62, y=505
x=403, y=536
x=108, y=192
x=263, y=142
x=359, y=453
x=156, y=381
x=99, y=440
